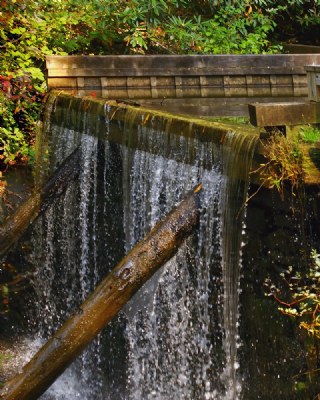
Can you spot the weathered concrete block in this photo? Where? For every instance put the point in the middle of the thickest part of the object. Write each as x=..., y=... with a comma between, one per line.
x=211, y=86
x=187, y=86
x=112, y=81
x=62, y=83
x=299, y=86
x=281, y=85
x=258, y=85
x=277, y=114
x=313, y=77
x=163, y=87
x=115, y=92
x=235, y=86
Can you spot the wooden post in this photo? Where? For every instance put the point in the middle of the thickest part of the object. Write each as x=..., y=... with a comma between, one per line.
x=106, y=301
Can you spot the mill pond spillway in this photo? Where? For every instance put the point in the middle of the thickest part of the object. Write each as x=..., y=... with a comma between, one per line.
x=201, y=327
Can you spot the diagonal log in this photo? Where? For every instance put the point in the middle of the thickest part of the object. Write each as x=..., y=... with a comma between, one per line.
x=38, y=202
x=106, y=301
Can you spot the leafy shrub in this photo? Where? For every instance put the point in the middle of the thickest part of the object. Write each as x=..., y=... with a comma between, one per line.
x=284, y=164
x=231, y=29
x=19, y=106
x=22, y=83
x=304, y=295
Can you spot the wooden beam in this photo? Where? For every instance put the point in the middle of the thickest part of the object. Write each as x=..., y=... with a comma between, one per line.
x=165, y=65
x=15, y=226
x=106, y=301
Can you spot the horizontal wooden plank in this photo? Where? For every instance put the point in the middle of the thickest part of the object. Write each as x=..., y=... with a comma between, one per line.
x=312, y=68
x=182, y=61
x=169, y=71
x=173, y=93
x=161, y=65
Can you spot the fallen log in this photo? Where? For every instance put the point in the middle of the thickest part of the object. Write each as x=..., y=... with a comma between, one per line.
x=106, y=301
x=38, y=202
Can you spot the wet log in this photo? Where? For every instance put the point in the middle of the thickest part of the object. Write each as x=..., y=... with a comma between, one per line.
x=106, y=301
x=38, y=202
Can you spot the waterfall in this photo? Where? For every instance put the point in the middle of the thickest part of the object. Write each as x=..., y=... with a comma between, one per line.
x=178, y=337
x=184, y=345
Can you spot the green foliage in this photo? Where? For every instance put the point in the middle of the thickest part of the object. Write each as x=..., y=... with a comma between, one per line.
x=310, y=134
x=297, y=293
x=233, y=29
x=304, y=295
x=23, y=40
x=296, y=20
x=19, y=104
x=284, y=164
x=30, y=30
x=23, y=46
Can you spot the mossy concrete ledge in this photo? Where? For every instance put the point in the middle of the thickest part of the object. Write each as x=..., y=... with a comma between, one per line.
x=97, y=112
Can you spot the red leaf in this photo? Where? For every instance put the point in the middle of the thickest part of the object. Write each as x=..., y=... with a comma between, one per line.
x=6, y=86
